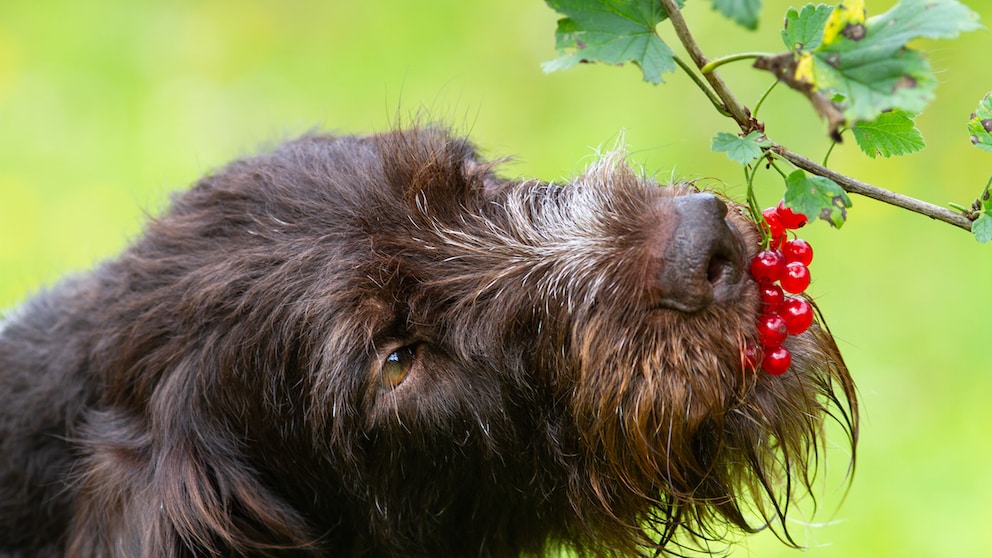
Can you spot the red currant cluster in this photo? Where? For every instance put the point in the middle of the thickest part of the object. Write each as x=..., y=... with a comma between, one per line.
x=782, y=268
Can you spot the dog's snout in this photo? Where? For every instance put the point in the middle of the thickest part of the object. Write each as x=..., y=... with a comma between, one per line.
x=702, y=261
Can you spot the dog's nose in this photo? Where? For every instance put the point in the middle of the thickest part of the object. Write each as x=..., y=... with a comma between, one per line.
x=703, y=260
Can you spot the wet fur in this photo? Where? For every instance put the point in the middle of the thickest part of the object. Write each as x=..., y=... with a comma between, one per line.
x=216, y=390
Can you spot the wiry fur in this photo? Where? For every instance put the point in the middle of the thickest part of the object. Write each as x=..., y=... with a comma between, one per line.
x=216, y=389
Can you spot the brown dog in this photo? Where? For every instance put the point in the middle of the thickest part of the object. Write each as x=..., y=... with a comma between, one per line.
x=374, y=346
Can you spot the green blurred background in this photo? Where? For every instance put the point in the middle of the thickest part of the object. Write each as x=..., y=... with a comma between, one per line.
x=107, y=105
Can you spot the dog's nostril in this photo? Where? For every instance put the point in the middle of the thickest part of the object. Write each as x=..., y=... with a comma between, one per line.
x=702, y=259
x=718, y=269
x=727, y=261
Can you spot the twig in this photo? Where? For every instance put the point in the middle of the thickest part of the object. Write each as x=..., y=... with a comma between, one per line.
x=855, y=186
x=747, y=123
x=737, y=111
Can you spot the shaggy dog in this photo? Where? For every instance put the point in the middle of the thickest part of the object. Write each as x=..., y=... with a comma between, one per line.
x=376, y=346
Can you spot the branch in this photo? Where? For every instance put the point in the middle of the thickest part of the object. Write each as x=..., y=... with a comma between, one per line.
x=747, y=123
x=738, y=111
x=855, y=186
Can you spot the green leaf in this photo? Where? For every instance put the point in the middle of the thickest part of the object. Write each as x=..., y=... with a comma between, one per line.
x=744, y=150
x=744, y=12
x=869, y=87
x=817, y=197
x=980, y=124
x=889, y=32
x=982, y=227
x=565, y=33
x=892, y=133
x=871, y=66
x=853, y=69
x=804, y=28
x=613, y=32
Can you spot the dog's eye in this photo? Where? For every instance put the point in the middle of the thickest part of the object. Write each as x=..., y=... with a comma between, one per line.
x=397, y=366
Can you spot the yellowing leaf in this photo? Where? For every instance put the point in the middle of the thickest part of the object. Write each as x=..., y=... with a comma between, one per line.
x=804, y=69
x=862, y=67
x=850, y=13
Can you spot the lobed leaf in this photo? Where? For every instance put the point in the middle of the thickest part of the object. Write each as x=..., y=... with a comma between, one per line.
x=892, y=133
x=980, y=124
x=869, y=64
x=855, y=68
x=804, y=28
x=816, y=197
x=982, y=227
x=743, y=12
x=613, y=32
x=980, y=127
x=916, y=19
x=867, y=87
x=847, y=18
x=744, y=150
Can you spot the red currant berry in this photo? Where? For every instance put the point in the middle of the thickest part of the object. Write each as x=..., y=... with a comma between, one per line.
x=772, y=297
x=772, y=330
x=795, y=278
x=750, y=357
x=767, y=266
x=776, y=361
x=798, y=314
x=773, y=224
x=798, y=250
x=788, y=218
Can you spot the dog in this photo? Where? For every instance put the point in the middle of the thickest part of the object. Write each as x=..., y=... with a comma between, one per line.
x=377, y=346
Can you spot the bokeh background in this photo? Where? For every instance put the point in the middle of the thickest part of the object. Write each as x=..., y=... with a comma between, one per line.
x=108, y=105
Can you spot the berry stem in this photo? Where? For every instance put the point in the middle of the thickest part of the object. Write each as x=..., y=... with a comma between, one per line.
x=752, y=200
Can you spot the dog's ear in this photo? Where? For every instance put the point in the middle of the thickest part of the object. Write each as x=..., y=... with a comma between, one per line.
x=434, y=169
x=174, y=479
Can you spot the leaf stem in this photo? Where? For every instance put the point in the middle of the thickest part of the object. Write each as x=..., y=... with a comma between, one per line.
x=782, y=173
x=717, y=103
x=717, y=62
x=855, y=186
x=830, y=150
x=761, y=101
